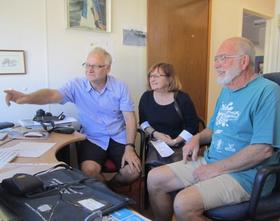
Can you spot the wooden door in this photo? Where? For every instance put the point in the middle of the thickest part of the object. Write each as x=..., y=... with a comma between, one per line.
x=178, y=34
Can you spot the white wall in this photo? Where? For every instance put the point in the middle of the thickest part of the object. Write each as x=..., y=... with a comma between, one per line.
x=272, y=50
x=54, y=54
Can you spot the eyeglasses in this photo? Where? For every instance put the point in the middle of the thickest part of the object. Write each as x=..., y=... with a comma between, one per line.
x=223, y=57
x=156, y=76
x=95, y=67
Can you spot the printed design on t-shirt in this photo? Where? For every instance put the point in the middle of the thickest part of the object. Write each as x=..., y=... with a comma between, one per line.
x=218, y=131
x=226, y=114
x=230, y=148
x=219, y=146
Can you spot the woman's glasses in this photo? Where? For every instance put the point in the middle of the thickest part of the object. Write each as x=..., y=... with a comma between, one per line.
x=156, y=76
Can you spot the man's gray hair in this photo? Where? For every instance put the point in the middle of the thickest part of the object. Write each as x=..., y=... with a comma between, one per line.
x=99, y=50
x=245, y=46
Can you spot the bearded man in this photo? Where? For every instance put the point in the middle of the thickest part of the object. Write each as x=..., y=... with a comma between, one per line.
x=244, y=135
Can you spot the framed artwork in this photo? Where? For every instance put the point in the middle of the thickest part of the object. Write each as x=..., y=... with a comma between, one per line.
x=89, y=14
x=12, y=62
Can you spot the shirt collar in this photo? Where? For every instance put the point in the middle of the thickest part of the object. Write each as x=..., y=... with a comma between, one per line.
x=254, y=77
x=108, y=85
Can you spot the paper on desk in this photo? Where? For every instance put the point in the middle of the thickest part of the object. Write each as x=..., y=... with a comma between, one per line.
x=162, y=148
x=91, y=204
x=31, y=149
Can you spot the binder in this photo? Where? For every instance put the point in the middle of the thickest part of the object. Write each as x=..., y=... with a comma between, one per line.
x=68, y=195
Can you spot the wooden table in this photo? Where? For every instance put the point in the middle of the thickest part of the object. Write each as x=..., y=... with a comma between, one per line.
x=49, y=157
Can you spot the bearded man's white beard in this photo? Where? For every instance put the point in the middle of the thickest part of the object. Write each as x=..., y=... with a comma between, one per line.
x=228, y=76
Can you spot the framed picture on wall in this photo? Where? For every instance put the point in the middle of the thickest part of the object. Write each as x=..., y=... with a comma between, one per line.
x=12, y=62
x=92, y=15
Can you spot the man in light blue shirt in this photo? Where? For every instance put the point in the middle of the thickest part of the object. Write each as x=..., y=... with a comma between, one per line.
x=106, y=113
x=244, y=135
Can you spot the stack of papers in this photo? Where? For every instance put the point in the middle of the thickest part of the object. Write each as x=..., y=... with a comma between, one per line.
x=29, y=123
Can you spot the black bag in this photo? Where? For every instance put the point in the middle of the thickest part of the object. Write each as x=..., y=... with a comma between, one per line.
x=154, y=159
x=67, y=195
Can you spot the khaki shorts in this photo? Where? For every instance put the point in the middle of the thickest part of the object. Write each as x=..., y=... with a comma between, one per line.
x=215, y=192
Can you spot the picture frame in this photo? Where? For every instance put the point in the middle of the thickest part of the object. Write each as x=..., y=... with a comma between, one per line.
x=92, y=15
x=12, y=62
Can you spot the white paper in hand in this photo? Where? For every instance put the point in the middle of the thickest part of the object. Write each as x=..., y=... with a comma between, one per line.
x=162, y=148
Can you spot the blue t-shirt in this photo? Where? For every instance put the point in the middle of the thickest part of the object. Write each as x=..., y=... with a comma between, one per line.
x=250, y=115
x=100, y=113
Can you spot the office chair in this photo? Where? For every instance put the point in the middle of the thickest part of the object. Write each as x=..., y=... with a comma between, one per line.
x=257, y=208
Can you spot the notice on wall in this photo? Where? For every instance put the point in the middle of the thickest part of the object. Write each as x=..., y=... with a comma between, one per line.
x=134, y=37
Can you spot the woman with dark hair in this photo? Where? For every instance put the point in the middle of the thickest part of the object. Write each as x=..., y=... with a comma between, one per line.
x=165, y=112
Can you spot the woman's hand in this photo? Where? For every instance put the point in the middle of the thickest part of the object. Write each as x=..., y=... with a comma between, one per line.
x=161, y=136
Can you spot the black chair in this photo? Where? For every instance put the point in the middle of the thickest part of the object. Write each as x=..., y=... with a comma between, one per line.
x=257, y=208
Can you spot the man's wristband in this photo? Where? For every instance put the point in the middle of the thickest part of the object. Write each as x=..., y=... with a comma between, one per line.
x=152, y=133
x=130, y=144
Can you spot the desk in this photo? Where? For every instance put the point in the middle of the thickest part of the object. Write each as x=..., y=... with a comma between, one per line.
x=60, y=140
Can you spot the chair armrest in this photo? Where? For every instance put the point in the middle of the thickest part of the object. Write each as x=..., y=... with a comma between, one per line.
x=201, y=122
x=142, y=142
x=260, y=179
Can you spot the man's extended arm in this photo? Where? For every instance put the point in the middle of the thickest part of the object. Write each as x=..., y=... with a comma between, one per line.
x=246, y=158
x=43, y=96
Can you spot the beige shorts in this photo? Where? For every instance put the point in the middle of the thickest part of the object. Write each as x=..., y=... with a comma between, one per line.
x=215, y=192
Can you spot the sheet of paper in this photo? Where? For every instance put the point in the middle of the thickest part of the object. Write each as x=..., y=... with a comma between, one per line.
x=91, y=204
x=162, y=148
x=31, y=149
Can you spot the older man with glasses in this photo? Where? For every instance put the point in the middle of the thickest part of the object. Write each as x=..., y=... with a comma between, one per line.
x=106, y=113
x=244, y=134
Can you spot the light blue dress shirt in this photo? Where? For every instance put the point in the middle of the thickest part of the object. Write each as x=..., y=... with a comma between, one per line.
x=100, y=113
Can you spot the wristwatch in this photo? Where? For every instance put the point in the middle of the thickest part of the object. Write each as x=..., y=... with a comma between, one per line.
x=130, y=144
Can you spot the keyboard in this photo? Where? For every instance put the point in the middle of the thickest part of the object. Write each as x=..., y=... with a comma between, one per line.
x=6, y=156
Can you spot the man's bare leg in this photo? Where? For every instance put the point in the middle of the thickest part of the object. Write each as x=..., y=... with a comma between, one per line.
x=161, y=181
x=188, y=205
x=124, y=176
x=92, y=169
